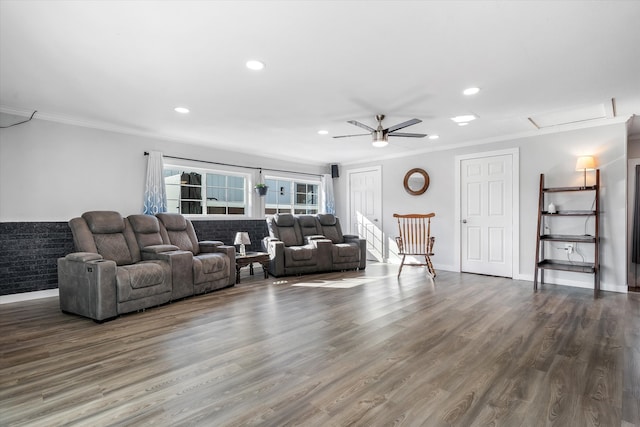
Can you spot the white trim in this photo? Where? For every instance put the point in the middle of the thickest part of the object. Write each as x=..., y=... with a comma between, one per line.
x=515, y=210
x=574, y=284
x=27, y=296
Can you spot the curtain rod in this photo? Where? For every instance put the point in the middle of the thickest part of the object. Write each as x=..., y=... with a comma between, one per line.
x=146, y=153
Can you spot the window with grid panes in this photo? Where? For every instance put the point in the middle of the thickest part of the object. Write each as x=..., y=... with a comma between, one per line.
x=291, y=196
x=202, y=192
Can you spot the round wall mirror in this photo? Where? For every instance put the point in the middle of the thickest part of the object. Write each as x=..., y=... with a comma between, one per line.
x=416, y=181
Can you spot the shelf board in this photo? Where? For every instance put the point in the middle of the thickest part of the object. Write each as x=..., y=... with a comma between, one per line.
x=568, y=238
x=569, y=213
x=562, y=189
x=578, y=267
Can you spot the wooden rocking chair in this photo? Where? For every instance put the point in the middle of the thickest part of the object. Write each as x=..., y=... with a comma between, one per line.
x=415, y=239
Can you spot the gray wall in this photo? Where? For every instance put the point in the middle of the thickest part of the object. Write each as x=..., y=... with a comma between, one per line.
x=52, y=172
x=552, y=154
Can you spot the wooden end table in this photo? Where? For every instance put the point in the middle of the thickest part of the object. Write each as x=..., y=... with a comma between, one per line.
x=249, y=259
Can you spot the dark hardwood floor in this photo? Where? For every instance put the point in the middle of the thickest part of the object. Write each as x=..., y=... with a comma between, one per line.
x=353, y=348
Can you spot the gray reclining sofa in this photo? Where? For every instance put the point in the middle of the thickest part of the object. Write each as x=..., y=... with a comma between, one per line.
x=300, y=244
x=126, y=264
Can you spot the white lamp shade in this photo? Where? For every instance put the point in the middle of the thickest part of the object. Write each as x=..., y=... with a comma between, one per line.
x=242, y=238
x=585, y=163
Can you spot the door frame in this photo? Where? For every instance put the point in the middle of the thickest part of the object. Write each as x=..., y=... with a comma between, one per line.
x=515, y=209
x=378, y=170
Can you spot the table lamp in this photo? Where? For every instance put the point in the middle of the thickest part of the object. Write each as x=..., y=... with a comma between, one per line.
x=585, y=163
x=242, y=239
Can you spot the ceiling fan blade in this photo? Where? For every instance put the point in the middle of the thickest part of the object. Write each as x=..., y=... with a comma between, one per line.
x=404, y=125
x=409, y=135
x=361, y=125
x=348, y=136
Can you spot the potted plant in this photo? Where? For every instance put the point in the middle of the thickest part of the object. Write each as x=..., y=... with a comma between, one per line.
x=261, y=189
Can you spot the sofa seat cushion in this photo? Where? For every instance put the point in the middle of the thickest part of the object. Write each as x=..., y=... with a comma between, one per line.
x=208, y=267
x=296, y=256
x=142, y=280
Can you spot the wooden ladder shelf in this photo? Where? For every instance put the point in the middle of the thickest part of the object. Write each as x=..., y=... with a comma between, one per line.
x=547, y=263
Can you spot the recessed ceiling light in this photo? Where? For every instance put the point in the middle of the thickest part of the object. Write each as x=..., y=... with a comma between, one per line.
x=323, y=132
x=463, y=123
x=471, y=91
x=255, y=65
x=461, y=119
x=434, y=136
x=181, y=110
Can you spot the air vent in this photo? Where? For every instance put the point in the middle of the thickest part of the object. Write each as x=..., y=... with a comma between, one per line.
x=576, y=115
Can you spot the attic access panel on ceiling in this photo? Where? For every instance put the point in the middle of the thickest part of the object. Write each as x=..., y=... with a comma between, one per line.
x=576, y=115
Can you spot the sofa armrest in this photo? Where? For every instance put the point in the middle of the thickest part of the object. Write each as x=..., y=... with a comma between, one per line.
x=230, y=251
x=181, y=264
x=208, y=246
x=308, y=239
x=324, y=247
x=87, y=285
x=362, y=243
x=83, y=257
x=156, y=249
x=275, y=249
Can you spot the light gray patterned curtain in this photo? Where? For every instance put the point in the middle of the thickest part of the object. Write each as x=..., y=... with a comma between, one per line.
x=329, y=205
x=155, y=194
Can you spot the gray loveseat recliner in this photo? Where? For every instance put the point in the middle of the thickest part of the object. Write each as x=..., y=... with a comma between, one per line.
x=107, y=276
x=300, y=244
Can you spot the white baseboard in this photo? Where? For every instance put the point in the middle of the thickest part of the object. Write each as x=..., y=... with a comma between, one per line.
x=575, y=284
x=26, y=296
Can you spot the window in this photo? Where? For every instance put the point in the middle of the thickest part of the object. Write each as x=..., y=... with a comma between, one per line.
x=291, y=196
x=201, y=192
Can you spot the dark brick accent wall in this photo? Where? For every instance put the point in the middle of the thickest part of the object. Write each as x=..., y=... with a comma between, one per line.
x=226, y=231
x=29, y=253
x=29, y=250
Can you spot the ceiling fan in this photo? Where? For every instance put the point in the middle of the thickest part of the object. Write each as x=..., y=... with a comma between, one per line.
x=380, y=135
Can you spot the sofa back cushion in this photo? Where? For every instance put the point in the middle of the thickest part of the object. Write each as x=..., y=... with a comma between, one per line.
x=146, y=229
x=330, y=227
x=308, y=225
x=177, y=230
x=111, y=234
x=285, y=228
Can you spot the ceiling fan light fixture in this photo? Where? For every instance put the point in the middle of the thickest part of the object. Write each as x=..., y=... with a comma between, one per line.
x=181, y=110
x=323, y=132
x=434, y=136
x=471, y=91
x=380, y=143
x=380, y=138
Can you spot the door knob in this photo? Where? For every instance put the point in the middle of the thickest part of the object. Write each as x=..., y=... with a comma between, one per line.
x=464, y=221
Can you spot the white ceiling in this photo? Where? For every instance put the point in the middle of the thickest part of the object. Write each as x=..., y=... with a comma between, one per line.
x=125, y=65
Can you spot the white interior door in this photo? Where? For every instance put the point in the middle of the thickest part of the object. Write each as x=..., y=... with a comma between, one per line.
x=365, y=209
x=486, y=215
